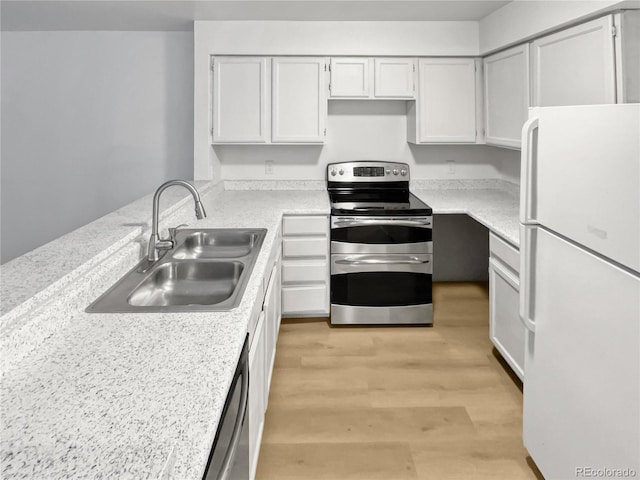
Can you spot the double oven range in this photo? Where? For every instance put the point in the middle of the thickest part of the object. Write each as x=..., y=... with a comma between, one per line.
x=381, y=246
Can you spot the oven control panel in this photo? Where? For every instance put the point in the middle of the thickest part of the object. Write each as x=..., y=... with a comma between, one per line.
x=367, y=171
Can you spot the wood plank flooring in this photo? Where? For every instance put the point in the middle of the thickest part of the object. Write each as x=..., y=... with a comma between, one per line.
x=395, y=403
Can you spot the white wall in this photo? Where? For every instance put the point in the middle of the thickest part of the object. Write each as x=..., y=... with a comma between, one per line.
x=362, y=130
x=521, y=20
x=91, y=121
x=311, y=38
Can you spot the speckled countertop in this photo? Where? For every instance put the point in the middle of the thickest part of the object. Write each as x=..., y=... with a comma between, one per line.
x=132, y=395
x=493, y=203
x=140, y=395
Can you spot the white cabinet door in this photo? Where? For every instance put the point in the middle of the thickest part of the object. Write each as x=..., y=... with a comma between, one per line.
x=447, y=100
x=505, y=328
x=394, y=78
x=240, y=100
x=299, y=100
x=506, y=88
x=257, y=388
x=271, y=326
x=575, y=66
x=350, y=78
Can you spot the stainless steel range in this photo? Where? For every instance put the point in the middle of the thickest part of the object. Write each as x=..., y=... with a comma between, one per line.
x=381, y=246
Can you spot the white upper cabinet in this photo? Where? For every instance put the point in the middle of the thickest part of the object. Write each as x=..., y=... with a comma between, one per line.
x=575, y=66
x=240, y=100
x=350, y=78
x=373, y=78
x=394, y=78
x=627, y=43
x=506, y=95
x=299, y=102
x=445, y=111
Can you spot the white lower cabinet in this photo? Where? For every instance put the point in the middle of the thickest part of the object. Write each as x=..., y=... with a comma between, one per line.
x=257, y=386
x=305, y=265
x=272, y=322
x=505, y=328
x=262, y=353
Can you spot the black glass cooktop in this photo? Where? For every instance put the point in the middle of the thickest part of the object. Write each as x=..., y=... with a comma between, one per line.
x=378, y=202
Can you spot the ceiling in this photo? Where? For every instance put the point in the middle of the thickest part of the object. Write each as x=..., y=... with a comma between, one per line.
x=24, y=15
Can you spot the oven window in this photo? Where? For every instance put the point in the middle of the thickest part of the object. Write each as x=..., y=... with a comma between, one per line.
x=381, y=289
x=381, y=234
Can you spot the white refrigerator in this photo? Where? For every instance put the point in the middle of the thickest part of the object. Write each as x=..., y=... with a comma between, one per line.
x=580, y=290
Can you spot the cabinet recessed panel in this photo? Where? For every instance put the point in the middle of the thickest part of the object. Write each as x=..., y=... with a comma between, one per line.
x=506, y=83
x=394, y=78
x=299, y=100
x=239, y=100
x=575, y=66
x=350, y=77
x=447, y=110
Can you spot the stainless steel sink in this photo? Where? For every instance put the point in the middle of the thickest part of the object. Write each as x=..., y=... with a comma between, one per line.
x=207, y=270
x=216, y=244
x=188, y=283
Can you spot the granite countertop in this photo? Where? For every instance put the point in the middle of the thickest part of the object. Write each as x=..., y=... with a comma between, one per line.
x=495, y=204
x=140, y=395
x=133, y=395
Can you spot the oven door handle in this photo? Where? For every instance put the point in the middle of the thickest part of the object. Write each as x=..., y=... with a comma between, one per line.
x=371, y=260
x=392, y=222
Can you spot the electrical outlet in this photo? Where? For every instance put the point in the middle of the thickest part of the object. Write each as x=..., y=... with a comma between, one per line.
x=268, y=167
x=451, y=167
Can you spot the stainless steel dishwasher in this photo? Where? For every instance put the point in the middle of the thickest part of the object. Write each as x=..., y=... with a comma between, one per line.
x=229, y=457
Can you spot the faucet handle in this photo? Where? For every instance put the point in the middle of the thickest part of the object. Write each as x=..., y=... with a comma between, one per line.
x=173, y=231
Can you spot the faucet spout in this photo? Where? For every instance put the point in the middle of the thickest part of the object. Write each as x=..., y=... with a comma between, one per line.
x=155, y=242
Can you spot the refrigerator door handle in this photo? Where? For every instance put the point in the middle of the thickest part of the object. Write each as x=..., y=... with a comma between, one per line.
x=526, y=180
x=526, y=271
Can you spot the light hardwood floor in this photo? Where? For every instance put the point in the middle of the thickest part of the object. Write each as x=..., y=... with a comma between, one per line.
x=393, y=403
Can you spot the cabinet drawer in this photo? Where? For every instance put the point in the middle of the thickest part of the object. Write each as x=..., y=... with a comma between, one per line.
x=305, y=247
x=507, y=253
x=307, y=299
x=305, y=225
x=301, y=271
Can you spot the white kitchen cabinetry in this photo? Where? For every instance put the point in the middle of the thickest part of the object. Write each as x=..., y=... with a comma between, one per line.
x=575, y=66
x=373, y=78
x=627, y=44
x=305, y=265
x=239, y=100
x=266, y=100
x=349, y=78
x=505, y=328
x=299, y=103
x=506, y=96
x=394, y=78
x=446, y=107
x=257, y=388
x=263, y=335
x=272, y=313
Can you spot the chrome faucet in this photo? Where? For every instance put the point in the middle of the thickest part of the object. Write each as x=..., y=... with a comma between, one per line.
x=155, y=242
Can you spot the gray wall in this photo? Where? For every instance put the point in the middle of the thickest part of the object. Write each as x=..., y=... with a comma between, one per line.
x=90, y=122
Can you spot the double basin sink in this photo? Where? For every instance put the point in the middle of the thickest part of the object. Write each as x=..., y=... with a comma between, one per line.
x=206, y=270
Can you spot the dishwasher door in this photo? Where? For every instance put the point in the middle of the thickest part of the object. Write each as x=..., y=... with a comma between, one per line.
x=229, y=457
